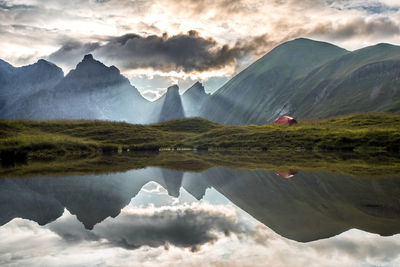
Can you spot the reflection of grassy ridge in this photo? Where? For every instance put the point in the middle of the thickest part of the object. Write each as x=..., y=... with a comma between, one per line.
x=53, y=139
x=95, y=164
x=353, y=164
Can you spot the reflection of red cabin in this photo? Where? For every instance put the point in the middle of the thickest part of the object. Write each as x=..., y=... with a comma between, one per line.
x=285, y=120
x=286, y=174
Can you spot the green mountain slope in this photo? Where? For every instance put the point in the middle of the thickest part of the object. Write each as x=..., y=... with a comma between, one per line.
x=310, y=79
x=250, y=96
x=364, y=80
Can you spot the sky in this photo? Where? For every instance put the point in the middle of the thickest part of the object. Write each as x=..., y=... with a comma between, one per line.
x=156, y=43
x=156, y=229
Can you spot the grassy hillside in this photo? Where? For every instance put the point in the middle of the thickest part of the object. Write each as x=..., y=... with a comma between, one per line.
x=360, y=81
x=309, y=79
x=255, y=94
x=49, y=139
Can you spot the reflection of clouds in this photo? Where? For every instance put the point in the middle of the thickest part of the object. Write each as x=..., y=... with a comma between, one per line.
x=354, y=245
x=153, y=187
x=23, y=242
x=153, y=194
x=352, y=248
x=186, y=226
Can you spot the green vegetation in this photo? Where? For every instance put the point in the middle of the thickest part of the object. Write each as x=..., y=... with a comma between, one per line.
x=52, y=139
x=83, y=147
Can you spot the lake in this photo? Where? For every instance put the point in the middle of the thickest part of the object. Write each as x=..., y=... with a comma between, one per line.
x=220, y=211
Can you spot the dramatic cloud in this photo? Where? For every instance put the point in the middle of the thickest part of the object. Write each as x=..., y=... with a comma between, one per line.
x=184, y=52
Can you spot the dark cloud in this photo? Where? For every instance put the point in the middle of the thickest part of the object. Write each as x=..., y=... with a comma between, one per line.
x=372, y=7
x=184, y=227
x=5, y=6
x=187, y=52
x=358, y=28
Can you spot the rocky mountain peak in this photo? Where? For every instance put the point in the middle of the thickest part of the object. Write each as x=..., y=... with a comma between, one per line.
x=193, y=99
x=172, y=105
x=44, y=68
x=88, y=57
x=42, y=62
x=196, y=89
x=90, y=68
x=173, y=89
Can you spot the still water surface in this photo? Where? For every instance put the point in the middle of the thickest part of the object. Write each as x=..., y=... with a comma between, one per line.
x=220, y=216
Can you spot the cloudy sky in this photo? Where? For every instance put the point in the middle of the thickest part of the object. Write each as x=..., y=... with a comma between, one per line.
x=159, y=42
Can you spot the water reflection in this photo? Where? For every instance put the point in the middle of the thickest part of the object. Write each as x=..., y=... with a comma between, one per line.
x=286, y=174
x=308, y=207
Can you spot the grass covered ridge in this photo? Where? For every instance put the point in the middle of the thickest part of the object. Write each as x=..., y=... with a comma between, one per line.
x=52, y=139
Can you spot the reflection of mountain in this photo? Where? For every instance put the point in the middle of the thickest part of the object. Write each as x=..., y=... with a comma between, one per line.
x=312, y=206
x=308, y=207
x=19, y=200
x=90, y=198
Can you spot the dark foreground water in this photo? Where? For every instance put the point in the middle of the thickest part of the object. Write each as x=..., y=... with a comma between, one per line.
x=225, y=217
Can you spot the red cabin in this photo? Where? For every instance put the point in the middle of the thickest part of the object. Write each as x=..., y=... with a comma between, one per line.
x=285, y=120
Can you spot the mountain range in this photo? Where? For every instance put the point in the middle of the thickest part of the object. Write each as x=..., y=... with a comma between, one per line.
x=302, y=78
x=90, y=91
